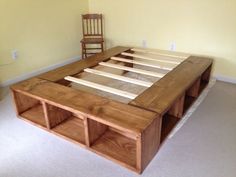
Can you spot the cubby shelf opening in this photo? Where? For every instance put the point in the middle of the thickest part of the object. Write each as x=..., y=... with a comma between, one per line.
x=117, y=146
x=72, y=128
x=188, y=101
x=168, y=123
x=35, y=114
x=29, y=108
x=203, y=85
x=66, y=123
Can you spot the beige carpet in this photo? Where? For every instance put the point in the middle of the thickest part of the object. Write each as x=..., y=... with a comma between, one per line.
x=204, y=147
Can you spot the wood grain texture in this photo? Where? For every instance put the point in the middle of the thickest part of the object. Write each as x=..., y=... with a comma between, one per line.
x=77, y=67
x=24, y=102
x=151, y=139
x=126, y=134
x=118, y=115
x=118, y=147
x=35, y=114
x=177, y=109
x=95, y=130
x=56, y=115
x=72, y=128
x=193, y=91
x=161, y=95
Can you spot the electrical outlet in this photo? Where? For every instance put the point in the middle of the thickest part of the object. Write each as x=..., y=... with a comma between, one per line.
x=173, y=46
x=14, y=54
x=144, y=43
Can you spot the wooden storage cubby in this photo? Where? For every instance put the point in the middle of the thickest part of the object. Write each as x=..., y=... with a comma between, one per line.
x=130, y=149
x=53, y=118
x=180, y=107
x=191, y=94
x=168, y=123
x=172, y=117
x=30, y=109
x=113, y=143
x=72, y=128
x=205, y=78
x=65, y=123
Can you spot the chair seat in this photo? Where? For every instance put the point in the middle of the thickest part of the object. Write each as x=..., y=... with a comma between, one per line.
x=92, y=40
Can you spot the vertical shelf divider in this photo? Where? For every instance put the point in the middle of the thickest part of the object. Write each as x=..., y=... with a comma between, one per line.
x=45, y=110
x=178, y=108
x=86, y=132
x=193, y=91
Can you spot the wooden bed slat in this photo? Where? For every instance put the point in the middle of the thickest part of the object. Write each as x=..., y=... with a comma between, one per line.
x=74, y=68
x=118, y=77
x=148, y=58
x=141, y=63
x=140, y=71
x=159, y=53
x=163, y=93
x=102, y=87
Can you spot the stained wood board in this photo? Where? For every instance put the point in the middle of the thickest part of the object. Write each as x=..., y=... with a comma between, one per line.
x=116, y=114
x=162, y=94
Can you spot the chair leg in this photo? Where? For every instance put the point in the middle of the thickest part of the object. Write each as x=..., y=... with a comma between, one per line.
x=85, y=51
x=102, y=47
x=82, y=47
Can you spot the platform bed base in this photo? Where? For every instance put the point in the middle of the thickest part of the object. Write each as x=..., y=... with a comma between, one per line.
x=128, y=134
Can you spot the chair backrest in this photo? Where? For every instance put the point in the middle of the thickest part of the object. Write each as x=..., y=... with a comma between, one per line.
x=92, y=25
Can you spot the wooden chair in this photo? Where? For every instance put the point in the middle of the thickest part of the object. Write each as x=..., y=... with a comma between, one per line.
x=92, y=25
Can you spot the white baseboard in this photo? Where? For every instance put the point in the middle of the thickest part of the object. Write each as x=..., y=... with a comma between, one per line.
x=39, y=71
x=225, y=79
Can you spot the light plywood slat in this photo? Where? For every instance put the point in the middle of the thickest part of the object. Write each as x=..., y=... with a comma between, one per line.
x=141, y=63
x=102, y=87
x=149, y=58
x=148, y=51
x=140, y=71
x=118, y=77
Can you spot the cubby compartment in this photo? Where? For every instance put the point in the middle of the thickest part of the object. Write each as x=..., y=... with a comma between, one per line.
x=172, y=117
x=168, y=123
x=189, y=100
x=205, y=77
x=72, y=128
x=65, y=123
x=113, y=143
x=181, y=105
x=117, y=146
x=191, y=94
x=30, y=109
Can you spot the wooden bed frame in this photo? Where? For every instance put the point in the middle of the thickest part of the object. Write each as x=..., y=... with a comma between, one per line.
x=127, y=133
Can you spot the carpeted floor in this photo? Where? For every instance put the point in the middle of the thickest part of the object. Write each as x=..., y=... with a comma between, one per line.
x=204, y=147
